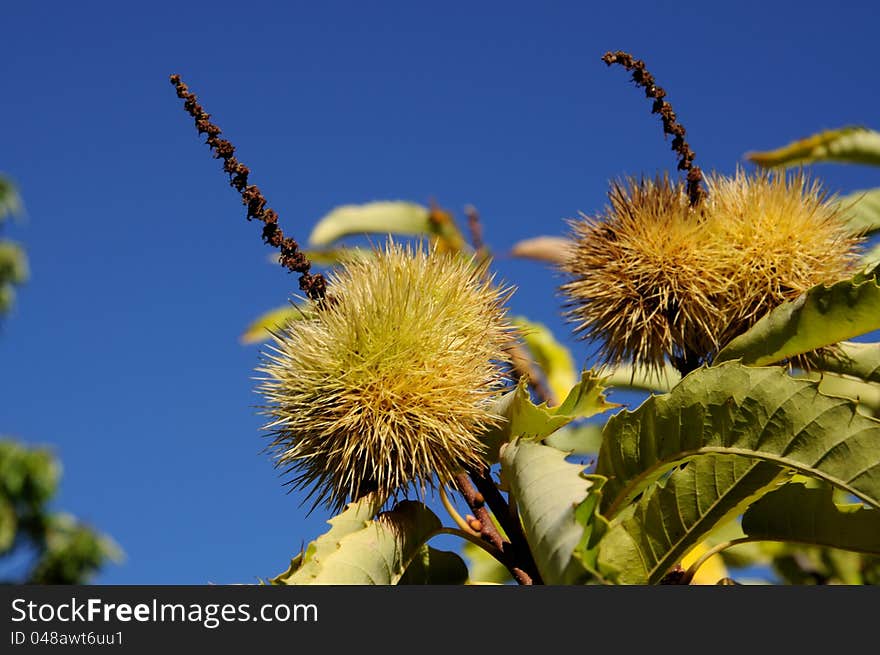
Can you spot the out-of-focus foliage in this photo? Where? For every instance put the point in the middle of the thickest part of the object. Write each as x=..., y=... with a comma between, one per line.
x=274, y=320
x=13, y=261
x=852, y=144
x=10, y=201
x=848, y=145
x=45, y=546
x=384, y=217
x=552, y=357
x=60, y=549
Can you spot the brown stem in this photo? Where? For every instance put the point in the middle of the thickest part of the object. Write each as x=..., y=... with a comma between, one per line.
x=509, y=521
x=477, y=503
x=291, y=257
x=643, y=78
x=476, y=230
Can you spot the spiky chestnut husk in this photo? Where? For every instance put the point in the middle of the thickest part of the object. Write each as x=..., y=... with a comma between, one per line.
x=783, y=235
x=652, y=278
x=386, y=384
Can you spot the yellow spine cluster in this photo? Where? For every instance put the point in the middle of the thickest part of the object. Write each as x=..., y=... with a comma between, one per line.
x=653, y=278
x=387, y=383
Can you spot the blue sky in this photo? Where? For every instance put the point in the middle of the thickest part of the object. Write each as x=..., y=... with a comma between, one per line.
x=123, y=351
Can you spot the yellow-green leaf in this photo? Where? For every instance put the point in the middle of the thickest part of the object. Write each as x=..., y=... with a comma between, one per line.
x=800, y=514
x=861, y=360
x=552, y=357
x=523, y=418
x=10, y=201
x=483, y=568
x=13, y=263
x=757, y=413
x=8, y=525
x=820, y=317
x=360, y=549
x=851, y=144
x=866, y=394
x=871, y=258
x=380, y=217
x=862, y=211
x=262, y=327
x=582, y=439
x=643, y=379
x=645, y=541
x=549, y=492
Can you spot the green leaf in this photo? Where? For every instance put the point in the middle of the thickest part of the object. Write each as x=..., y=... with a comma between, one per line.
x=759, y=413
x=29, y=474
x=852, y=144
x=866, y=394
x=801, y=564
x=8, y=525
x=10, y=201
x=822, y=316
x=432, y=566
x=523, y=418
x=643, y=379
x=73, y=552
x=848, y=566
x=13, y=271
x=861, y=360
x=295, y=562
x=275, y=319
x=381, y=217
x=548, y=492
x=644, y=542
x=356, y=517
x=871, y=259
x=810, y=516
x=577, y=440
x=359, y=549
x=13, y=263
x=554, y=359
x=595, y=527
x=484, y=569
x=862, y=211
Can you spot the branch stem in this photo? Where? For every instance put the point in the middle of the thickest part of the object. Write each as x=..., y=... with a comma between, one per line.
x=476, y=540
x=692, y=570
x=671, y=126
x=489, y=532
x=456, y=517
x=509, y=521
x=291, y=256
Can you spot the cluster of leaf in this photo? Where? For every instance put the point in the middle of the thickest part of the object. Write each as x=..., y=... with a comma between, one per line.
x=59, y=549
x=13, y=262
x=53, y=547
x=747, y=464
